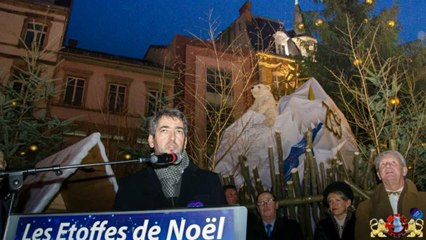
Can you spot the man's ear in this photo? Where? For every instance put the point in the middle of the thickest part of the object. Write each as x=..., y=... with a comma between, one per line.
x=378, y=175
x=151, y=141
x=404, y=171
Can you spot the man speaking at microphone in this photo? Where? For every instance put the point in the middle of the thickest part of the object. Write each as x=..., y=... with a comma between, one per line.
x=179, y=184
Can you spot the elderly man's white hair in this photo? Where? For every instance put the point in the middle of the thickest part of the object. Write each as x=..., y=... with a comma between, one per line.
x=393, y=153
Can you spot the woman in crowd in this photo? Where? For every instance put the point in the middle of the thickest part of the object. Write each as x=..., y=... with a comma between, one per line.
x=340, y=224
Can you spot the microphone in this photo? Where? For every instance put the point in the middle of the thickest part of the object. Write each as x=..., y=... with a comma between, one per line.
x=163, y=159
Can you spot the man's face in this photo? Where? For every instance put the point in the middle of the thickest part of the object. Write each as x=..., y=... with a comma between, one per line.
x=169, y=136
x=231, y=196
x=391, y=170
x=267, y=206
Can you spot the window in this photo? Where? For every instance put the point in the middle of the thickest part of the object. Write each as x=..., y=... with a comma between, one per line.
x=156, y=100
x=218, y=81
x=116, y=97
x=35, y=34
x=74, y=91
x=19, y=80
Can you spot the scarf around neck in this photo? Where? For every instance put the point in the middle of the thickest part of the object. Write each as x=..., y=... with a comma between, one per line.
x=171, y=176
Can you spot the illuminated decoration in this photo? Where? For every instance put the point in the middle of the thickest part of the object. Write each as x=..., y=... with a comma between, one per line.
x=415, y=227
x=398, y=226
x=283, y=71
x=357, y=62
x=365, y=20
x=394, y=101
x=391, y=23
x=22, y=153
x=332, y=121
x=128, y=156
x=319, y=22
x=300, y=26
x=14, y=103
x=369, y=1
x=33, y=148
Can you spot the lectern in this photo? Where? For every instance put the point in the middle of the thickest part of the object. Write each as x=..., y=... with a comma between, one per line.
x=194, y=223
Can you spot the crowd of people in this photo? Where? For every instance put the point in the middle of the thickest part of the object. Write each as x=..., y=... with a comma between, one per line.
x=186, y=185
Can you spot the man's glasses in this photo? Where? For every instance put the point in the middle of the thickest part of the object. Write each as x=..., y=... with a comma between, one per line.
x=266, y=202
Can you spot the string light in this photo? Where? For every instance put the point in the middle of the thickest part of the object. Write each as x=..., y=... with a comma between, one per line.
x=394, y=101
x=33, y=147
x=319, y=22
x=300, y=26
x=369, y=1
x=391, y=23
x=22, y=153
x=127, y=156
x=357, y=62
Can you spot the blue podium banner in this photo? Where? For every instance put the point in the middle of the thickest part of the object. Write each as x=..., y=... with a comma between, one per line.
x=185, y=224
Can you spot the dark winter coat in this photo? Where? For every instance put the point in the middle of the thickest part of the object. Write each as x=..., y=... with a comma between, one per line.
x=326, y=229
x=142, y=190
x=379, y=207
x=283, y=229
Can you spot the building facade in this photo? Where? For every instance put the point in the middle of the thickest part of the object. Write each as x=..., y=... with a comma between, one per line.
x=215, y=76
x=101, y=92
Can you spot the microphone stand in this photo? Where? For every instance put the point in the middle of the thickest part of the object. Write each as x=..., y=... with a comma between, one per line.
x=16, y=177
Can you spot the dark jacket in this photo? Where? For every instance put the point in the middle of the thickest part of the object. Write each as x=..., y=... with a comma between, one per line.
x=283, y=229
x=142, y=190
x=378, y=207
x=326, y=229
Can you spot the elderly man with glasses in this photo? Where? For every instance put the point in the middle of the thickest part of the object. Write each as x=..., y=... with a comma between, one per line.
x=270, y=226
x=396, y=200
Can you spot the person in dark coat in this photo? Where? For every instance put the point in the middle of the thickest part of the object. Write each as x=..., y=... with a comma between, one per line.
x=270, y=226
x=396, y=194
x=340, y=224
x=231, y=194
x=182, y=184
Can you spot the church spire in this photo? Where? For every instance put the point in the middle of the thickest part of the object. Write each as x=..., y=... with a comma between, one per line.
x=298, y=24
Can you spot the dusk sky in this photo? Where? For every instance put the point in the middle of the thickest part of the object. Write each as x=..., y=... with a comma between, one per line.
x=128, y=27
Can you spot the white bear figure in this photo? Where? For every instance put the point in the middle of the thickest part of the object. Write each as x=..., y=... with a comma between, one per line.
x=264, y=103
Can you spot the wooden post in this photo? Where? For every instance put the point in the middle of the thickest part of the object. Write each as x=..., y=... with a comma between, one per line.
x=298, y=193
x=323, y=179
x=272, y=171
x=280, y=153
x=242, y=160
x=357, y=163
x=258, y=181
x=291, y=195
x=314, y=184
x=306, y=207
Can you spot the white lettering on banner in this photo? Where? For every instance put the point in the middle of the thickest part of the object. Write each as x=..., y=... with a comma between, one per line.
x=62, y=231
x=98, y=231
x=179, y=229
x=38, y=233
x=98, y=227
x=140, y=232
x=210, y=231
